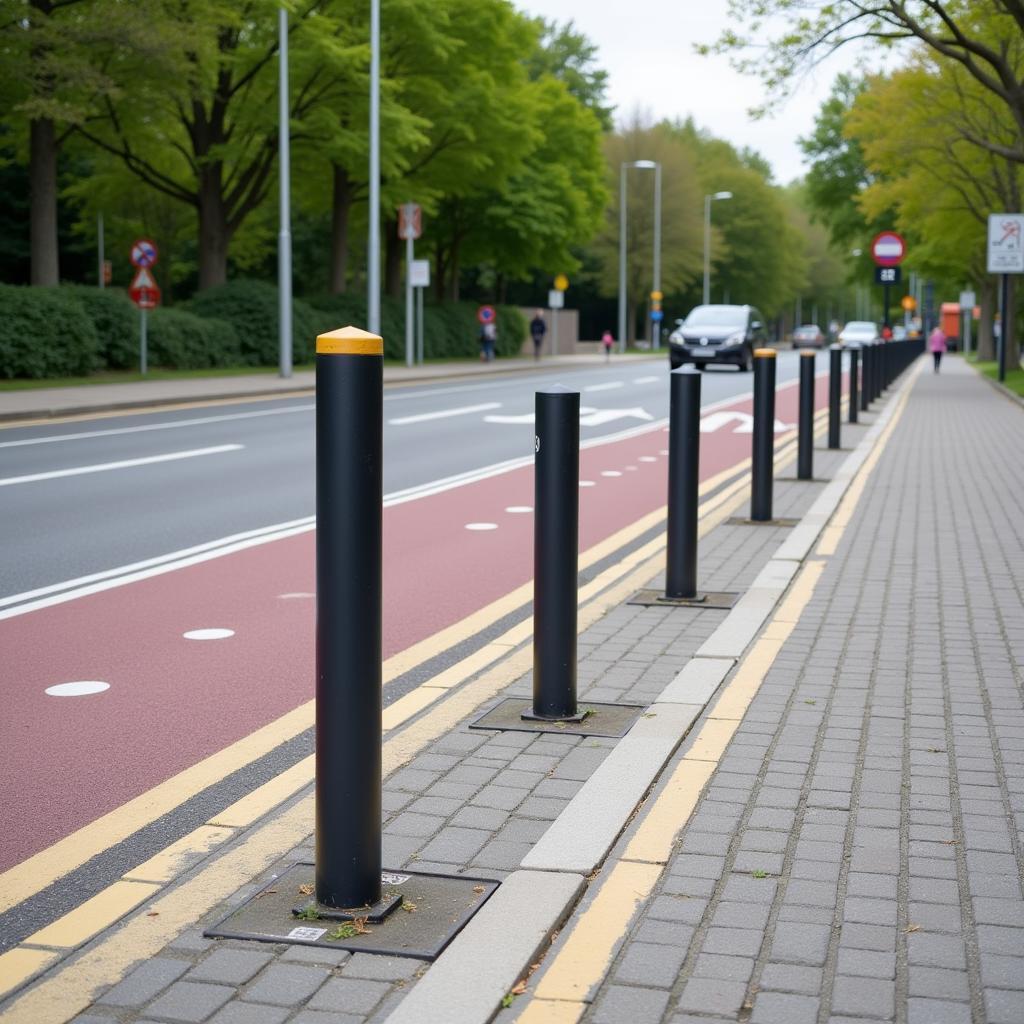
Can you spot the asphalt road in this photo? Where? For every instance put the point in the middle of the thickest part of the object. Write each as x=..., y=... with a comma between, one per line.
x=94, y=495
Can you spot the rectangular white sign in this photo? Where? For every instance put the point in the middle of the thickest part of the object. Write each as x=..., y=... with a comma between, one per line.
x=419, y=273
x=556, y=299
x=967, y=300
x=1006, y=243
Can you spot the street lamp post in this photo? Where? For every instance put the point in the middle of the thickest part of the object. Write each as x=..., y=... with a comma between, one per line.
x=708, y=200
x=645, y=165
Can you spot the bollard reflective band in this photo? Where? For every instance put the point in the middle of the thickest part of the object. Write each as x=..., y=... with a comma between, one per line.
x=349, y=341
x=764, y=353
x=805, y=352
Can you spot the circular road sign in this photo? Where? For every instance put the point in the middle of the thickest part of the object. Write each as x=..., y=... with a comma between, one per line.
x=888, y=249
x=486, y=315
x=561, y=282
x=144, y=253
x=909, y=303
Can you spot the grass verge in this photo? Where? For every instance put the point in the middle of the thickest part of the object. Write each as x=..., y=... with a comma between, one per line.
x=1014, y=377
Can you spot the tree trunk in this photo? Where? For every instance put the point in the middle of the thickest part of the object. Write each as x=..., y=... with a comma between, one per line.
x=341, y=207
x=453, y=271
x=986, y=339
x=213, y=229
x=393, y=247
x=45, y=267
x=1012, y=345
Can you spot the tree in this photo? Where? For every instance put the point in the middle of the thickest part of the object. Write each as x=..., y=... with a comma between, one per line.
x=985, y=38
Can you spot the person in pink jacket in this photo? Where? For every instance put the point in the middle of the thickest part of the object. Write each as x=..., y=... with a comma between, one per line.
x=937, y=345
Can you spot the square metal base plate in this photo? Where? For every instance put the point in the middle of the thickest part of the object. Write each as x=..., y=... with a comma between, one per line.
x=708, y=599
x=613, y=720
x=741, y=521
x=431, y=912
x=374, y=913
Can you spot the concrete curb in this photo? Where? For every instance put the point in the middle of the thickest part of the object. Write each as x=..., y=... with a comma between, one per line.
x=579, y=839
x=1001, y=388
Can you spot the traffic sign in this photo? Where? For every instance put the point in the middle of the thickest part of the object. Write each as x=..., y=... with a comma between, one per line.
x=410, y=221
x=486, y=315
x=909, y=303
x=656, y=296
x=887, y=275
x=967, y=300
x=561, y=282
x=657, y=314
x=419, y=273
x=1006, y=243
x=144, y=291
x=556, y=299
x=888, y=249
x=144, y=253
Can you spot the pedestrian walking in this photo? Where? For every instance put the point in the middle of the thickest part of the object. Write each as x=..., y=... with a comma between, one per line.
x=488, y=336
x=537, y=331
x=607, y=340
x=937, y=345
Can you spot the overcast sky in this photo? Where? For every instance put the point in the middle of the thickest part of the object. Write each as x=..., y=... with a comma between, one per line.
x=646, y=46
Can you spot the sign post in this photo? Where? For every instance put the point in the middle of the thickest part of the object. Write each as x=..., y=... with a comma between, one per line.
x=1005, y=257
x=144, y=292
x=887, y=250
x=656, y=317
x=556, y=301
x=966, y=311
x=420, y=274
x=410, y=227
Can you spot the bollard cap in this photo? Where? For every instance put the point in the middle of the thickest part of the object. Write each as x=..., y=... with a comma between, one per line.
x=687, y=371
x=764, y=353
x=835, y=348
x=556, y=389
x=805, y=352
x=349, y=341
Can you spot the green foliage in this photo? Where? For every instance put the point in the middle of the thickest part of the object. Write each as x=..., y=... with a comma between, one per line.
x=45, y=332
x=116, y=321
x=183, y=341
x=251, y=307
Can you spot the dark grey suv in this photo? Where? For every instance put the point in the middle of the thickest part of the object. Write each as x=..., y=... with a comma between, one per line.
x=718, y=334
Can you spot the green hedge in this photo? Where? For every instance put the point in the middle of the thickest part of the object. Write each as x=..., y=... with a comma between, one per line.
x=74, y=330
x=251, y=308
x=45, y=332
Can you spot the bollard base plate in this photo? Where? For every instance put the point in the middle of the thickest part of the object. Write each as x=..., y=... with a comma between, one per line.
x=515, y=714
x=741, y=521
x=430, y=910
x=373, y=914
x=530, y=716
x=711, y=599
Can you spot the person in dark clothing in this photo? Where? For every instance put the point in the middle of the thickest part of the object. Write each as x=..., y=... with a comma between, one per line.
x=537, y=331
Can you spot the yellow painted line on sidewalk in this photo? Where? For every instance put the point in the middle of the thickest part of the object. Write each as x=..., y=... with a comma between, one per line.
x=170, y=862
x=543, y=1011
x=590, y=946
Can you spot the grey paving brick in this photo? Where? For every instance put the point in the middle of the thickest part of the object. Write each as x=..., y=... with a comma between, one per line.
x=866, y=997
x=619, y=1003
x=455, y=845
x=349, y=995
x=1004, y=1007
x=868, y=936
x=145, y=982
x=286, y=984
x=674, y=908
x=324, y=1017
x=381, y=968
x=728, y=968
x=733, y=941
x=671, y=933
x=800, y=943
x=936, y=1011
x=250, y=1013
x=938, y=983
x=189, y=1001
x=230, y=966
x=784, y=1008
x=649, y=965
x=713, y=996
x=791, y=978
x=1002, y=971
x=320, y=955
x=866, y=963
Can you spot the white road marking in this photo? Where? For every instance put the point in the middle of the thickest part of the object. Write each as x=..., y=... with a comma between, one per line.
x=648, y=458
x=646, y=380
x=81, y=688
x=443, y=414
x=201, y=421
x=517, y=509
x=208, y=634
x=103, y=467
x=481, y=526
x=602, y=416
x=610, y=472
x=717, y=420
x=610, y=386
x=295, y=595
x=587, y=483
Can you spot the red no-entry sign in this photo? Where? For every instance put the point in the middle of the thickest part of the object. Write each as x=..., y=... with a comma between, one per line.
x=888, y=249
x=486, y=315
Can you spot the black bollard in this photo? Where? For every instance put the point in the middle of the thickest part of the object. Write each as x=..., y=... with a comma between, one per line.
x=349, y=492
x=763, y=450
x=805, y=438
x=865, y=390
x=683, y=482
x=555, y=553
x=854, y=383
x=835, y=392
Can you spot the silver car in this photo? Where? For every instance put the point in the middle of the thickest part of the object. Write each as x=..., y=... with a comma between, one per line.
x=859, y=332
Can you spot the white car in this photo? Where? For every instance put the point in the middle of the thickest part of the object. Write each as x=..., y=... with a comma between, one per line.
x=859, y=332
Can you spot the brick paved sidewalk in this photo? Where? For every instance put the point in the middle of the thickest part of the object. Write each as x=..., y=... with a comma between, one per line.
x=857, y=854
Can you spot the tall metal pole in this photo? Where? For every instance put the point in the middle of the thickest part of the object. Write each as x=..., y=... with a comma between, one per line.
x=99, y=253
x=622, y=259
x=410, y=339
x=373, y=241
x=1004, y=326
x=419, y=326
x=706, y=295
x=655, y=325
x=349, y=492
x=284, y=237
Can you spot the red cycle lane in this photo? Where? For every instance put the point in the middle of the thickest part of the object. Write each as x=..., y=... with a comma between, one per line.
x=173, y=701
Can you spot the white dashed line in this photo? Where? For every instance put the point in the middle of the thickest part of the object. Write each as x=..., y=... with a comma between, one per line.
x=81, y=688
x=296, y=594
x=648, y=458
x=587, y=483
x=208, y=634
x=646, y=380
x=610, y=472
x=442, y=414
x=610, y=386
x=481, y=526
x=518, y=509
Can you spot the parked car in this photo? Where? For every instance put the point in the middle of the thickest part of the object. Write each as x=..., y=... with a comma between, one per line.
x=808, y=336
x=859, y=332
x=718, y=334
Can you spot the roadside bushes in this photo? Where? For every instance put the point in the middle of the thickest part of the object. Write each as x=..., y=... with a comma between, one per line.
x=45, y=332
x=75, y=330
